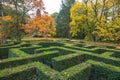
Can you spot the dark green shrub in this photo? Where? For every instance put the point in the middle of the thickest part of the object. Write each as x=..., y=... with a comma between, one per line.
x=4, y=52
x=77, y=72
x=90, y=47
x=16, y=53
x=116, y=54
x=26, y=45
x=102, y=71
x=25, y=72
x=111, y=47
x=80, y=45
x=13, y=62
x=106, y=60
x=31, y=71
x=29, y=50
x=63, y=62
x=45, y=73
x=48, y=44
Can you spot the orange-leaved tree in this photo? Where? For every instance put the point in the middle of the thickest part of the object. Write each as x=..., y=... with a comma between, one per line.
x=41, y=24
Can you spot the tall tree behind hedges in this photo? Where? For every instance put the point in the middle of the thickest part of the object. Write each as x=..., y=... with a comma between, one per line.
x=63, y=18
x=98, y=19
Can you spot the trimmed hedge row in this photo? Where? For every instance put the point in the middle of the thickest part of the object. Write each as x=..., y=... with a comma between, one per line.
x=62, y=62
x=77, y=72
x=49, y=44
x=16, y=53
x=55, y=52
x=32, y=71
x=7, y=63
x=107, y=60
x=13, y=62
x=24, y=72
x=45, y=73
x=102, y=71
x=4, y=50
x=59, y=49
x=30, y=50
x=69, y=63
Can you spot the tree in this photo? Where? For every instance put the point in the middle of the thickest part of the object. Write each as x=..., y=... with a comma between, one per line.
x=42, y=24
x=63, y=19
x=98, y=20
x=107, y=26
x=82, y=21
x=54, y=15
x=6, y=31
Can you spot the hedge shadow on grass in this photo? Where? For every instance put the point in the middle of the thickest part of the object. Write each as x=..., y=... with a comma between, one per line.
x=116, y=54
x=59, y=51
x=48, y=44
x=102, y=73
x=80, y=45
x=99, y=51
x=90, y=47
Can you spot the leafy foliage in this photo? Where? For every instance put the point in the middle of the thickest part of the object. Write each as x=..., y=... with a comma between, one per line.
x=96, y=20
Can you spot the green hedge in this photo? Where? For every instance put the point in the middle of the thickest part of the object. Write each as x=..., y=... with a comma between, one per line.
x=7, y=63
x=17, y=53
x=107, y=60
x=59, y=49
x=53, y=52
x=26, y=45
x=25, y=72
x=77, y=72
x=48, y=44
x=45, y=73
x=102, y=71
x=13, y=62
x=32, y=71
x=62, y=62
x=29, y=50
x=5, y=50
x=90, y=47
x=116, y=54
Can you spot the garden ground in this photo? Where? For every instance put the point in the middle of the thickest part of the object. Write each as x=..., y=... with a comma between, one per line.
x=59, y=59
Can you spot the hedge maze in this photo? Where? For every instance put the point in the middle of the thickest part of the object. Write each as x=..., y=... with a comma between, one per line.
x=59, y=61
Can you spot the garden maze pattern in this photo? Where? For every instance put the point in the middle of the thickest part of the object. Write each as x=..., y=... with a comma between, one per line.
x=59, y=61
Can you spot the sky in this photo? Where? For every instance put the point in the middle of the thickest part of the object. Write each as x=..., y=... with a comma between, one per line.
x=52, y=5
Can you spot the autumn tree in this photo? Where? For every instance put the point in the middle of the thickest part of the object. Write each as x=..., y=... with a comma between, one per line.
x=41, y=24
x=82, y=22
x=107, y=26
x=98, y=20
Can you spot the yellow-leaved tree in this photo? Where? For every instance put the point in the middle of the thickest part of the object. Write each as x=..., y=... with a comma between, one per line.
x=96, y=20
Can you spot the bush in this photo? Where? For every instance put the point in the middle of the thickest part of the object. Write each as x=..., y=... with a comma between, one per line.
x=102, y=71
x=29, y=50
x=5, y=50
x=13, y=62
x=17, y=53
x=48, y=44
x=62, y=62
x=77, y=72
x=106, y=60
x=25, y=72
x=31, y=71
